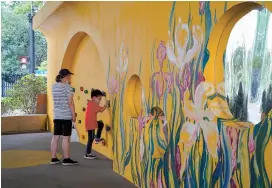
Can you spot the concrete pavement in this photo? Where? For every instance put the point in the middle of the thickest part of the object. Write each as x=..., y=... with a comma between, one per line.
x=88, y=173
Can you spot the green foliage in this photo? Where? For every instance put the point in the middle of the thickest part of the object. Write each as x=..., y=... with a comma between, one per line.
x=239, y=105
x=14, y=41
x=263, y=106
x=25, y=91
x=20, y=7
x=25, y=7
x=15, y=38
x=257, y=62
x=43, y=66
x=7, y=105
x=269, y=99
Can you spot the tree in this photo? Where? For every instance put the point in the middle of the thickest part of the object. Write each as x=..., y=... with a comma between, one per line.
x=239, y=103
x=263, y=106
x=245, y=113
x=269, y=99
x=14, y=42
x=15, y=38
x=24, y=7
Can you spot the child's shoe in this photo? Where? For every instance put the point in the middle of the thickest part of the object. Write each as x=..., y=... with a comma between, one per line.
x=97, y=141
x=89, y=156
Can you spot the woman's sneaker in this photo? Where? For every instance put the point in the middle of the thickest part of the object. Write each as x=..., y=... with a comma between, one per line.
x=69, y=162
x=54, y=161
x=89, y=156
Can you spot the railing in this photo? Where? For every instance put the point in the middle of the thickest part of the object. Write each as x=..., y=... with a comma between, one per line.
x=8, y=82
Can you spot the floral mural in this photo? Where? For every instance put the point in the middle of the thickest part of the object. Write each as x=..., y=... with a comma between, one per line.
x=187, y=146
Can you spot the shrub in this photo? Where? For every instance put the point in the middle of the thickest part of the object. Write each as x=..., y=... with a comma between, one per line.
x=6, y=105
x=24, y=93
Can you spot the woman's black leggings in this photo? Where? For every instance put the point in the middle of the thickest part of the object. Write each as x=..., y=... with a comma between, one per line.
x=91, y=136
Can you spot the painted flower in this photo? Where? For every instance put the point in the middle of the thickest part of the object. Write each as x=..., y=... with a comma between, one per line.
x=233, y=135
x=251, y=144
x=161, y=52
x=203, y=118
x=161, y=80
x=123, y=60
x=201, y=7
x=183, y=55
x=183, y=80
x=113, y=86
x=198, y=119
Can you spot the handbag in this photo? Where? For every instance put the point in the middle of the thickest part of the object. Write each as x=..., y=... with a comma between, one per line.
x=74, y=135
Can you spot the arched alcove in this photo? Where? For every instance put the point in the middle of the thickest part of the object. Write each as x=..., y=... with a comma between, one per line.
x=134, y=96
x=214, y=70
x=71, y=49
x=83, y=59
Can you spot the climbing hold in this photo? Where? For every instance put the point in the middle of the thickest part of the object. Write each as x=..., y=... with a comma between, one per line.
x=78, y=97
x=103, y=142
x=83, y=137
x=81, y=89
x=73, y=89
x=83, y=109
x=79, y=121
x=108, y=128
x=86, y=91
x=76, y=114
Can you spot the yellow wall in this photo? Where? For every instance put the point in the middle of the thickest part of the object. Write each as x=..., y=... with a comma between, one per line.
x=126, y=49
x=17, y=124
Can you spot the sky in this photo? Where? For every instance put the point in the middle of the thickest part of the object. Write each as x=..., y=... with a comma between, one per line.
x=246, y=27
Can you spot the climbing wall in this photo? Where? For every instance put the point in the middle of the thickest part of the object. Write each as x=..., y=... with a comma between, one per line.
x=82, y=82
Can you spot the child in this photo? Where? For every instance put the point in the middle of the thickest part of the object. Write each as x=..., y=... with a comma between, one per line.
x=91, y=122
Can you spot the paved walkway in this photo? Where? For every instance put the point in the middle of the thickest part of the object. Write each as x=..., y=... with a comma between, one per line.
x=89, y=173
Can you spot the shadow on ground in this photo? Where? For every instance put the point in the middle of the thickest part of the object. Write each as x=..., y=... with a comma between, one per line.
x=88, y=173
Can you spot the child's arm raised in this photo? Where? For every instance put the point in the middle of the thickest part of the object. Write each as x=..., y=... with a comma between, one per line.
x=102, y=109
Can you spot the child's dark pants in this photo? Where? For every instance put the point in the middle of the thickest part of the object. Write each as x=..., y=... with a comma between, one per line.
x=91, y=136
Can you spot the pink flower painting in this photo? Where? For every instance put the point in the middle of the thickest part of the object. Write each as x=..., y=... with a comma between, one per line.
x=233, y=135
x=160, y=81
x=183, y=80
x=113, y=85
x=201, y=7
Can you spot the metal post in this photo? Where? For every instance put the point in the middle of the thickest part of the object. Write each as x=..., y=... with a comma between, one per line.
x=31, y=54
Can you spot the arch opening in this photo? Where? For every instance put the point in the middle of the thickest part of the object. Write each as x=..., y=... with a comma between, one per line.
x=248, y=66
x=134, y=96
x=214, y=70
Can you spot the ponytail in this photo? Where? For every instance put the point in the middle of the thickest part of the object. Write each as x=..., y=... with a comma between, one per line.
x=59, y=78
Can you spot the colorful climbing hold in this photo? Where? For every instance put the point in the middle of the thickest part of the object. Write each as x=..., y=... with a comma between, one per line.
x=79, y=121
x=83, y=137
x=86, y=91
x=81, y=89
x=83, y=109
x=76, y=114
x=73, y=89
x=108, y=128
x=103, y=142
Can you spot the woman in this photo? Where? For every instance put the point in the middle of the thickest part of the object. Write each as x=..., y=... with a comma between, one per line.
x=64, y=115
